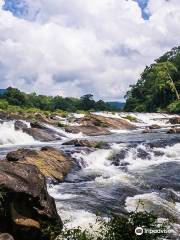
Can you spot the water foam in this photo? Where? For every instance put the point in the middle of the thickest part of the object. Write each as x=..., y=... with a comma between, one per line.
x=98, y=164
x=10, y=136
x=152, y=202
x=135, y=163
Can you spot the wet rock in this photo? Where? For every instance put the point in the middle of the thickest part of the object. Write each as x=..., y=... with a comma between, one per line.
x=42, y=118
x=173, y=130
x=42, y=134
x=38, y=125
x=6, y=236
x=143, y=154
x=154, y=126
x=87, y=143
x=27, y=212
x=106, y=122
x=146, y=130
x=88, y=130
x=171, y=195
x=174, y=120
x=52, y=163
x=19, y=125
x=117, y=158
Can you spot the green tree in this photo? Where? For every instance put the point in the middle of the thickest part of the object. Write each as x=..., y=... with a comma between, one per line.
x=158, y=86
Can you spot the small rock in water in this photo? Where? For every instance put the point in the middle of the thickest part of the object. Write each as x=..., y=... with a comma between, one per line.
x=154, y=126
x=173, y=130
x=19, y=125
x=146, y=130
x=174, y=120
x=87, y=143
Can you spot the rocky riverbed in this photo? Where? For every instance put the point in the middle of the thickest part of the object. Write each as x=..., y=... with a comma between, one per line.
x=101, y=162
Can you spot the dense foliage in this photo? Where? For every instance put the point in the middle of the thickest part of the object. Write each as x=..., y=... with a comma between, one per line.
x=14, y=97
x=119, y=228
x=158, y=88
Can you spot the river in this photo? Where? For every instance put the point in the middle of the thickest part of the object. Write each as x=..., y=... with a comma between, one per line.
x=135, y=166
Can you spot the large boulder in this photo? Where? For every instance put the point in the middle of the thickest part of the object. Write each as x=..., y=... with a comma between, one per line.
x=87, y=143
x=27, y=211
x=42, y=135
x=106, y=122
x=52, y=163
x=88, y=130
x=174, y=120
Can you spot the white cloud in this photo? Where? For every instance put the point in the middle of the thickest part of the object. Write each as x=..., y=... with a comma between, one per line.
x=73, y=47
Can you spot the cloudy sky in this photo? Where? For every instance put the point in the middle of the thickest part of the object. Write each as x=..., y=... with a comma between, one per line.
x=74, y=47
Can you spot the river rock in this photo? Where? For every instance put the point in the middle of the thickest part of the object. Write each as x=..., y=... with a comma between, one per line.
x=154, y=126
x=52, y=163
x=173, y=130
x=88, y=130
x=174, y=120
x=146, y=130
x=19, y=125
x=27, y=211
x=87, y=143
x=106, y=122
x=6, y=236
x=42, y=135
x=38, y=125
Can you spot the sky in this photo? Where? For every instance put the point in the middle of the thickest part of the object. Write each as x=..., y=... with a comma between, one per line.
x=75, y=47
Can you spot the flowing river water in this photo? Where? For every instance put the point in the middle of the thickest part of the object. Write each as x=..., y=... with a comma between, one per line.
x=135, y=166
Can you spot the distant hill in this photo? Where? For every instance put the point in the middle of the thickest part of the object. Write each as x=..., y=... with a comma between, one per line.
x=116, y=105
x=2, y=91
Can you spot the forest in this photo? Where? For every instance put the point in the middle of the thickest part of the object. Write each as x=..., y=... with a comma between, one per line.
x=14, y=97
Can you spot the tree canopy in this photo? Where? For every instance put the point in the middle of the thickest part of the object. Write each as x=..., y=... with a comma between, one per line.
x=158, y=87
x=14, y=96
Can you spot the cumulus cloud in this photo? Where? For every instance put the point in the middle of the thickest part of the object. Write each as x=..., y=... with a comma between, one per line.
x=73, y=47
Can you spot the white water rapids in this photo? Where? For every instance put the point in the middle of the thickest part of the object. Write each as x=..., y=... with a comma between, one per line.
x=10, y=136
x=114, y=179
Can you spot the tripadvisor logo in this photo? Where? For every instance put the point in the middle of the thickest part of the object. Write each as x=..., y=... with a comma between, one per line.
x=139, y=231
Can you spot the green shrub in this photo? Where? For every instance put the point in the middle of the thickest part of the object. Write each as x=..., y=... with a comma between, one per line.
x=130, y=118
x=118, y=228
x=100, y=144
x=61, y=125
x=3, y=104
x=174, y=107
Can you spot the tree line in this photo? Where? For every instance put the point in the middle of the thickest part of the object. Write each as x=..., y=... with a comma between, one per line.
x=15, y=97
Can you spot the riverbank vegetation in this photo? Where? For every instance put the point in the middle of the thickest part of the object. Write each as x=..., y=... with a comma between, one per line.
x=119, y=228
x=14, y=99
x=158, y=88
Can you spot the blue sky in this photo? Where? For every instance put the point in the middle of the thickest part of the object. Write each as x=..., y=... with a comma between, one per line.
x=74, y=47
x=20, y=8
x=17, y=7
x=143, y=4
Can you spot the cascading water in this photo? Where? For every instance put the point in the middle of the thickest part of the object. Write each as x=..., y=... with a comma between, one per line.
x=10, y=136
x=63, y=133
x=115, y=179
